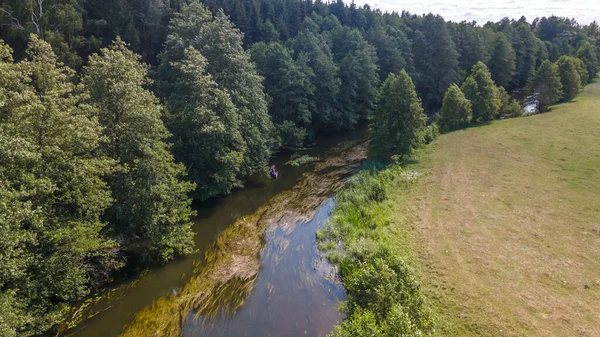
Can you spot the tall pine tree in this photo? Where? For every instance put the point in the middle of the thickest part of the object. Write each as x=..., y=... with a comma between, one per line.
x=479, y=88
x=435, y=61
x=398, y=118
x=569, y=77
x=502, y=60
x=546, y=83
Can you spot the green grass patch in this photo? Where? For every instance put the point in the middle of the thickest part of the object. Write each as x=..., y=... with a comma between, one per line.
x=505, y=225
x=302, y=160
x=383, y=296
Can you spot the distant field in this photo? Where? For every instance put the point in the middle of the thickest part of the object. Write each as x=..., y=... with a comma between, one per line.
x=507, y=225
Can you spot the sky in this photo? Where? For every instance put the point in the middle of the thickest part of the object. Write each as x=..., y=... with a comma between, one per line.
x=482, y=11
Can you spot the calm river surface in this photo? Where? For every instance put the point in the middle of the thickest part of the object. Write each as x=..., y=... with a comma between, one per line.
x=257, y=271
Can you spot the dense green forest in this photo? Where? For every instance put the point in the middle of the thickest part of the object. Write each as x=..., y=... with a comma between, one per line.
x=115, y=114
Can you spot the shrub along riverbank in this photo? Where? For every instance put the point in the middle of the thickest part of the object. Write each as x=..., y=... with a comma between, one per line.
x=383, y=296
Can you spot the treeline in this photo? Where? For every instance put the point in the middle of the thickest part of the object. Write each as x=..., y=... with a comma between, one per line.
x=114, y=114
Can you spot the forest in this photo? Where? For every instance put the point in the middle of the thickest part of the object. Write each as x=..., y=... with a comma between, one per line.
x=115, y=115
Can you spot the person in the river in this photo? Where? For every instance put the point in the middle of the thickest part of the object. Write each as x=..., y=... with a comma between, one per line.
x=274, y=173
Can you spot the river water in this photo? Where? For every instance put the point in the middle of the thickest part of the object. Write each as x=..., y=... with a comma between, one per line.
x=257, y=271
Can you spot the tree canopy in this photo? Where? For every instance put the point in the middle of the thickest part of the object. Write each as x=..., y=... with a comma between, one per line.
x=456, y=110
x=479, y=88
x=546, y=82
x=116, y=114
x=398, y=118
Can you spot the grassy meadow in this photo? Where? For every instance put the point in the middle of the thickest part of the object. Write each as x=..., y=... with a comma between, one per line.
x=491, y=231
x=504, y=227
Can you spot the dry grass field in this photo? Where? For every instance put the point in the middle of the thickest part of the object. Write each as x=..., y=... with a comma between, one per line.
x=506, y=225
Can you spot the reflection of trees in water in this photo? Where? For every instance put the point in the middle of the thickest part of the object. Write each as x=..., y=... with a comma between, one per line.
x=227, y=276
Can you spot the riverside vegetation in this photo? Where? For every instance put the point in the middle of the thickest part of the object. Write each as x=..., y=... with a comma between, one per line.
x=115, y=115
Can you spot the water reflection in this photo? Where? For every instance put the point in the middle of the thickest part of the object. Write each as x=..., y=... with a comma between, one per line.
x=289, y=298
x=224, y=280
x=230, y=240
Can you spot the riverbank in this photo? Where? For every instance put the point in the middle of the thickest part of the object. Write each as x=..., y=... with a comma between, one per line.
x=373, y=252
x=258, y=253
x=502, y=228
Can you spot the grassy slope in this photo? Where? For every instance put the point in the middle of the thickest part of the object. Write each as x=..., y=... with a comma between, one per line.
x=505, y=226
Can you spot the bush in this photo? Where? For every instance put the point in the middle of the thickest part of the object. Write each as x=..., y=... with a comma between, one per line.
x=383, y=296
x=508, y=105
x=362, y=323
x=378, y=281
x=430, y=133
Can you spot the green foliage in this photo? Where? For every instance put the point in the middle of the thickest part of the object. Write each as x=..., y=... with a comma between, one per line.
x=383, y=296
x=151, y=207
x=290, y=136
x=508, y=105
x=305, y=159
x=470, y=44
x=312, y=47
x=588, y=54
x=435, y=60
x=524, y=44
x=288, y=83
x=456, y=110
x=581, y=69
x=361, y=323
x=546, y=83
x=569, y=77
x=215, y=38
x=357, y=63
x=479, y=88
x=398, y=118
x=52, y=192
x=391, y=49
x=217, y=110
x=83, y=167
x=204, y=123
x=502, y=62
x=430, y=133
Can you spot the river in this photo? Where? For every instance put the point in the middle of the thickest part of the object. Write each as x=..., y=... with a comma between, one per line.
x=257, y=271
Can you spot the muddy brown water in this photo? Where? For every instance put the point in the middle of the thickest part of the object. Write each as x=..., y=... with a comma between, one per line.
x=257, y=271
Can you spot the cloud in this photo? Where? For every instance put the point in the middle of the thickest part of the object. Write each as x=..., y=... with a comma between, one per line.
x=493, y=10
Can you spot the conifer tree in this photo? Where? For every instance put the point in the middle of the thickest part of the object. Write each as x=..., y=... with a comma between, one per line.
x=546, y=83
x=582, y=70
x=502, y=60
x=569, y=77
x=479, y=88
x=389, y=56
x=456, y=110
x=151, y=204
x=204, y=122
x=435, y=61
x=588, y=55
x=398, y=118
x=524, y=44
x=470, y=44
